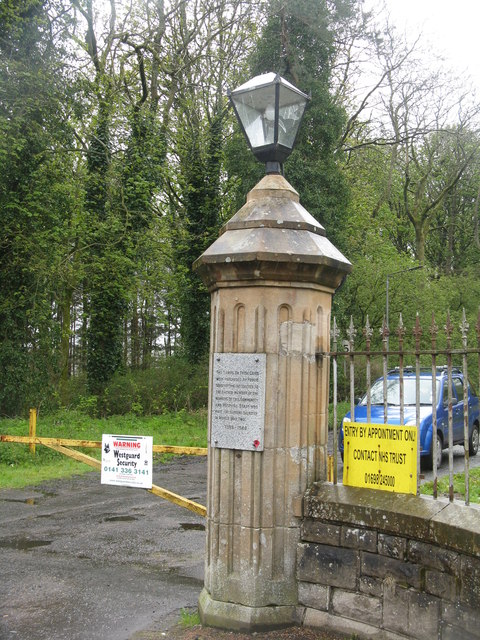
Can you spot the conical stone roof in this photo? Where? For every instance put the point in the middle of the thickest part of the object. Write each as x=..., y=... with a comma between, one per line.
x=273, y=237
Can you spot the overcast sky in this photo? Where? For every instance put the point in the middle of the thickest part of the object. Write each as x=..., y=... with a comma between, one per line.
x=451, y=26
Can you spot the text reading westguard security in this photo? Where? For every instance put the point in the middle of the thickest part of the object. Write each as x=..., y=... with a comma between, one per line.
x=127, y=460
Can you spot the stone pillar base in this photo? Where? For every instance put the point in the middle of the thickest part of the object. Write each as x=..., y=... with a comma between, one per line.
x=238, y=617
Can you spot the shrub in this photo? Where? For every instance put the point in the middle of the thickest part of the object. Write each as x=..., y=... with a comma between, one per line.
x=88, y=405
x=120, y=395
x=73, y=390
x=172, y=385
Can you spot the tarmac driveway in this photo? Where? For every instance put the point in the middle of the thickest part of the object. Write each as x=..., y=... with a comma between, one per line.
x=84, y=561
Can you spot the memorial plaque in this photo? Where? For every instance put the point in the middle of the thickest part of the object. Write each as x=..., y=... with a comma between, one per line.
x=238, y=401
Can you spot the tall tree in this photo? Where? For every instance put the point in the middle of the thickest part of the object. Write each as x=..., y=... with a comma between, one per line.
x=37, y=197
x=409, y=112
x=198, y=201
x=449, y=247
x=106, y=261
x=149, y=100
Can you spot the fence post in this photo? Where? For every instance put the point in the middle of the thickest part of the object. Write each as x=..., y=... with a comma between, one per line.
x=32, y=429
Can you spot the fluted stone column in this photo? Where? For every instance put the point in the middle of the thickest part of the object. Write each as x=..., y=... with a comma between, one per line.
x=271, y=273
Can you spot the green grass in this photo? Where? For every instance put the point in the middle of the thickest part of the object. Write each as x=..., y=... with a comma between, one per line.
x=458, y=486
x=189, y=618
x=19, y=468
x=343, y=407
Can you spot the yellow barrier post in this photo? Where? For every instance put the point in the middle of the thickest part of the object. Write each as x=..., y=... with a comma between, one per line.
x=157, y=491
x=330, y=468
x=32, y=429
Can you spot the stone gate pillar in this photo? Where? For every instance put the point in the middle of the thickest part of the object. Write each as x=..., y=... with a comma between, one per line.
x=271, y=273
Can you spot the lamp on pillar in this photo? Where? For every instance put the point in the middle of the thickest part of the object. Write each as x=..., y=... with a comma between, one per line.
x=271, y=273
x=270, y=111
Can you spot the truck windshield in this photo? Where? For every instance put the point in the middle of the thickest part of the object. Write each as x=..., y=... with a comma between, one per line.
x=409, y=393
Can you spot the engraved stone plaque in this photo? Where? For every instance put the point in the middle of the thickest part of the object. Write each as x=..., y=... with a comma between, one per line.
x=238, y=401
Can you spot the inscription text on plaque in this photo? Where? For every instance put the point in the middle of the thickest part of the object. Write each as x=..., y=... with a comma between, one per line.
x=238, y=401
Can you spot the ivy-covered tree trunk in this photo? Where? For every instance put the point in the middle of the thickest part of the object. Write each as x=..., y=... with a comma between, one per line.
x=141, y=180
x=201, y=171
x=36, y=201
x=106, y=291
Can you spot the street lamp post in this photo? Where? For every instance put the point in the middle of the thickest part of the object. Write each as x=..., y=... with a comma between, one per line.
x=389, y=275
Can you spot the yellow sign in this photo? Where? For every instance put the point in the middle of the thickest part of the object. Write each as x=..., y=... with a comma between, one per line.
x=380, y=456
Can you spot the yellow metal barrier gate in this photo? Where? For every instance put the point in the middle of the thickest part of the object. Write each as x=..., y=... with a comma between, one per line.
x=62, y=446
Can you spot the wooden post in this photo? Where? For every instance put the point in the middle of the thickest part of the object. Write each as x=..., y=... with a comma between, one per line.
x=32, y=428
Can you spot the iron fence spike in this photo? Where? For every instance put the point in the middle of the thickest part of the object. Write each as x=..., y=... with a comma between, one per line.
x=401, y=331
x=384, y=331
x=464, y=328
x=433, y=331
x=368, y=331
x=417, y=331
x=351, y=331
x=433, y=326
x=335, y=332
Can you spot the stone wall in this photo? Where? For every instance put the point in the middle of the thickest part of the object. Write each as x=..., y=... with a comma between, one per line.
x=389, y=566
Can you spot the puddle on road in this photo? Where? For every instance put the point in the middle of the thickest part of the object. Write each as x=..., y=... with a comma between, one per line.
x=23, y=544
x=121, y=519
x=31, y=501
x=192, y=526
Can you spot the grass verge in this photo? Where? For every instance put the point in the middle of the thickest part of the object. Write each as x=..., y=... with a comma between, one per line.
x=189, y=619
x=19, y=468
x=458, y=486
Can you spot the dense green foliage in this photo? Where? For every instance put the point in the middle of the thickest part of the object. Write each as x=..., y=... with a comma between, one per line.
x=173, y=384
x=298, y=42
x=120, y=160
x=37, y=196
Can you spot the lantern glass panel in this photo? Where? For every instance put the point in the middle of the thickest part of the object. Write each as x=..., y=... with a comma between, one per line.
x=256, y=110
x=290, y=113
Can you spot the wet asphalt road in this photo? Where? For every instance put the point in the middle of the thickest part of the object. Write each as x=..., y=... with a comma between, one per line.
x=85, y=561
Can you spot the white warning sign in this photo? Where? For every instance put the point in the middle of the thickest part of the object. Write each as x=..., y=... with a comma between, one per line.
x=127, y=460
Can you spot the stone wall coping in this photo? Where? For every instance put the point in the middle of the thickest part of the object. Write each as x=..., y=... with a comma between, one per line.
x=448, y=524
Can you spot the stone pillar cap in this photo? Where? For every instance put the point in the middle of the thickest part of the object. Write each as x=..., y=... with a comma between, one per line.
x=272, y=237
x=273, y=203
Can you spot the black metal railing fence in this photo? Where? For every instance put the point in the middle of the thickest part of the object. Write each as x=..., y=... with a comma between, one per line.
x=362, y=357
